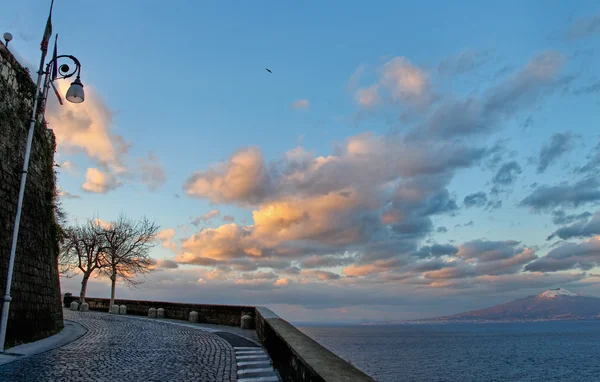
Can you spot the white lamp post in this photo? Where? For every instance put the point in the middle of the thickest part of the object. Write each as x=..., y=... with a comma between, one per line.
x=74, y=94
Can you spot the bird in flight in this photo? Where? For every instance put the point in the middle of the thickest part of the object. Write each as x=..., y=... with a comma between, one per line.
x=269, y=70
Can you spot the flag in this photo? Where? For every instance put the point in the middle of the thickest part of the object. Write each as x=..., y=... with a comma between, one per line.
x=54, y=73
x=47, y=31
x=57, y=93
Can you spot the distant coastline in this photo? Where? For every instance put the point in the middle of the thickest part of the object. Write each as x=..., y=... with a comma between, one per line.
x=426, y=321
x=551, y=305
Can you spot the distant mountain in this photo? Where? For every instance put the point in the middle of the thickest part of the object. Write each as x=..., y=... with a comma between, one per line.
x=553, y=304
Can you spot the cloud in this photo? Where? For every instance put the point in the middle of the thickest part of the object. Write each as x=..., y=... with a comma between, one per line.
x=405, y=81
x=228, y=219
x=87, y=127
x=436, y=250
x=539, y=74
x=401, y=81
x=166, y=264
x=166, y=236
x=563, y=195
x=365, y=207
x=300, y=104
x=582, y=228
x=330, y=218
x=592, y=88
x=225, y=242
x=584, y=27
x=363, y=161
x=560, y=217
x=477, y=115
x=328, y=261
x=99, y=182
x=593, y=164
x=584, y=256
x=368, y=97
x=66, y=194
x=478, y=199
x=319, y=274
x=510, y=265
x=69, y=166
x=484, y=250
x=282, y=282
x=474, y=259
x=463, y=62
x=207, y=216
x=507, y=173
x=560, y=144
x=152, y=173
x=441, y=229
x=244, y=178
x=494, y=204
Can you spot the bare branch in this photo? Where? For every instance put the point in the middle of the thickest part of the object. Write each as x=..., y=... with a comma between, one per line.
x=127, y=250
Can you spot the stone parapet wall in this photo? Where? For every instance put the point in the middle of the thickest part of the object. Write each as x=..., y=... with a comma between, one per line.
x=35, y=310
x=210, y=314
x=298, y=357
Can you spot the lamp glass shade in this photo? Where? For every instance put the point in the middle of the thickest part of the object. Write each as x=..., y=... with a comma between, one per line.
x=75, y=93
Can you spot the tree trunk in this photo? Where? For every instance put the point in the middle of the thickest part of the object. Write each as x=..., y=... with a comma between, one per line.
x=84, y=282
x=113, y=285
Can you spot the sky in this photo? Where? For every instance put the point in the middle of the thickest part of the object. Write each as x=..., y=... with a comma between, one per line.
x=403, y=160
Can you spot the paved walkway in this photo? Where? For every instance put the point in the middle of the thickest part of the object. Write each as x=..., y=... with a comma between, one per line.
x=118, y=348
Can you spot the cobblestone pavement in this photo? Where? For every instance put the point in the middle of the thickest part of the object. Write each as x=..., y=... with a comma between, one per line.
x=123, y=349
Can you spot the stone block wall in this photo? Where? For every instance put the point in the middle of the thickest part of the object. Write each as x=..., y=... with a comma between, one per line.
x=35, y=310
x=210, y=314
x=297, y=357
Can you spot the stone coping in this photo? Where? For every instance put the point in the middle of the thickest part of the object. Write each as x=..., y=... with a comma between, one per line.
x=297, y=356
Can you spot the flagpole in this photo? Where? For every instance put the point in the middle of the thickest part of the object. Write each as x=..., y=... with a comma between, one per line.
x=13, y=249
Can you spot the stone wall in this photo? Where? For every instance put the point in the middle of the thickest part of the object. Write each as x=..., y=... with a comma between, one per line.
x=35, y=310
x=297, y=357
x=210, y=314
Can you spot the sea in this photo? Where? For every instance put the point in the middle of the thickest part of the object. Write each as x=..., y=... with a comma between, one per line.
x=532, y=351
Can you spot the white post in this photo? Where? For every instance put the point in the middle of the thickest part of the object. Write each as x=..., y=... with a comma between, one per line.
x=15, y=237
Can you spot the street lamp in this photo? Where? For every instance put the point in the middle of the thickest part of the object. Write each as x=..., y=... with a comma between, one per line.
x=74, y=94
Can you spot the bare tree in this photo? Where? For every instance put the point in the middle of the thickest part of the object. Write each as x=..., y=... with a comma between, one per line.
x=83, y=248
x=127, y=251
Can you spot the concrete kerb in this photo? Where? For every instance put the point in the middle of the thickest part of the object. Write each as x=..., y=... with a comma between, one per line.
x=71, y=332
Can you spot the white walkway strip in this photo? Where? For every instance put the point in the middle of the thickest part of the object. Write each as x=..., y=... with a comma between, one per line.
x=255, y=371
x=259, y=379
x=254, y=365
x=250, y=364
x=249, y=352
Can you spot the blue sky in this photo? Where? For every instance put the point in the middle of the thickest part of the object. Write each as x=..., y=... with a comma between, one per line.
x=402, y=108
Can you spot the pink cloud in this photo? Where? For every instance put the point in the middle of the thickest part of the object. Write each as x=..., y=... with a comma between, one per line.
x=87, y=127
x=99, y=182
x=300, y=104
x=242, y=178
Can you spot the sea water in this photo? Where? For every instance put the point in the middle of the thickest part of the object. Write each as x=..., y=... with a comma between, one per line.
x=537, y=351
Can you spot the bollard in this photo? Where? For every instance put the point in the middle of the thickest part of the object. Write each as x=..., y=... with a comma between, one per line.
x=152, y=313
x=114, y=309
x=74, y=305
x=84, y=307
x=160, y=313
x=193, y=316
x=122, y=309
x=247, y=322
